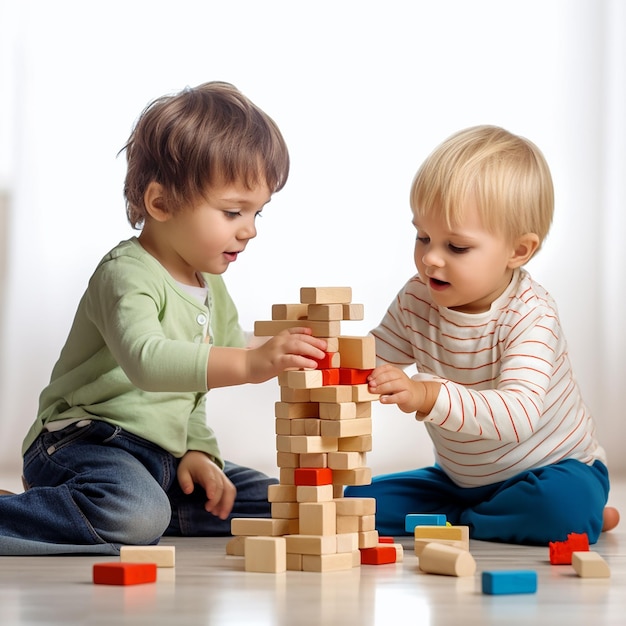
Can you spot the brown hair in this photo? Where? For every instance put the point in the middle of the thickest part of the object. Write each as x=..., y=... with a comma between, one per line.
x=199, y=137
x=505, y=174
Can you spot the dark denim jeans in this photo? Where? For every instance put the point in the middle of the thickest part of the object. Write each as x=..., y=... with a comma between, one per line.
x=96, y=487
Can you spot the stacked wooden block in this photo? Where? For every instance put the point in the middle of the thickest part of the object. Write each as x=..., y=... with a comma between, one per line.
x=323, y=432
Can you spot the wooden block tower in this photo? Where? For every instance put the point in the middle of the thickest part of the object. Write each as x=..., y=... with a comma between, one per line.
x=323, y=432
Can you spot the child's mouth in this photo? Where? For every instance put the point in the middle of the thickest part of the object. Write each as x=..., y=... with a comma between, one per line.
x=437, y=285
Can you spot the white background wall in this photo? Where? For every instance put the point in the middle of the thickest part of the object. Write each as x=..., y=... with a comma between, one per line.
x=362, y=90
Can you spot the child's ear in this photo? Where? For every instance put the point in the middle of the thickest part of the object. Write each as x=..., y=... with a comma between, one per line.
x=154, y=200
x=523, y=250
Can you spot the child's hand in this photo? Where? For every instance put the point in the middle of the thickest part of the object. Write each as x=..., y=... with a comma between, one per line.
x=395, y=387
x=294, y=348
x=196, y=468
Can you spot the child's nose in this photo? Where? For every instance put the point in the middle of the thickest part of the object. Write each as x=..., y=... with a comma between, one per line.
x=247, y=231
x=432, y=259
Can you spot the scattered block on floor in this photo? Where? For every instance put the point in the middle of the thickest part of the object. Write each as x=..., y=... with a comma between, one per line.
x=380, y=554
x=163, y=556
x=266, y=554
x=423, y=519
x=124, y=573
x=236, y=546
x=590, y=565
x=509, y=581
x=420, y=544
x=561, y=551
x=437, y=558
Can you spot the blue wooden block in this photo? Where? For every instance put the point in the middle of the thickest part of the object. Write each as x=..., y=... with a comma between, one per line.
x=509, y=581
x=423, y=519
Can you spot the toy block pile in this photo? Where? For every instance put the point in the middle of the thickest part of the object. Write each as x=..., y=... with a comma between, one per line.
x=323, y=432
x=137, y=565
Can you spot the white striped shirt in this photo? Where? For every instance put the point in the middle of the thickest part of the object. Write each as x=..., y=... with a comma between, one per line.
x=509, y=401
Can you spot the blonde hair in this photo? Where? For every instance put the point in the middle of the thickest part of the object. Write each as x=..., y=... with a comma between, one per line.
x=506, y=175
x=198, y=137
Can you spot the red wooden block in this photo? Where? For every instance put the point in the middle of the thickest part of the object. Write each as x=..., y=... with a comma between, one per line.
x=386, y=539
x=326, y=362
x=351, y=376
x=378, y=555
x=561, y=551
x=124, y=573
x=313, y=476
x=330, y=377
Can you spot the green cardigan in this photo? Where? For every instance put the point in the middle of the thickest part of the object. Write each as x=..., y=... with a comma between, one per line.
x=136, y=355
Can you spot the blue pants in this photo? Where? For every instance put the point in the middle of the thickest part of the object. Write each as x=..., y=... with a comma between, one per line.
x=534, y=507
x=95, y=488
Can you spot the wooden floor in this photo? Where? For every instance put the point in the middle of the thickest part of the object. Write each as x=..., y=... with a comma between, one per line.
x=207, y=587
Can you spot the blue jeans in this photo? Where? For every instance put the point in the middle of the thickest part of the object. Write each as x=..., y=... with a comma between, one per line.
x=534, y=507
x=96, y=487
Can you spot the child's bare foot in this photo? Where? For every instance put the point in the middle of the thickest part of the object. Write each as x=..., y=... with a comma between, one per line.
x=610, y=518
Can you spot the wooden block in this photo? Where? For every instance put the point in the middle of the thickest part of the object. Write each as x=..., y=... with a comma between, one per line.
x=357, y=476
x=289, y=394
x=355, y=506
x=348, y=524
x=330, y=377
x=320, y=493
x=360, y=443
x=302, y=444
x=325, y=312
x=361, y=393
x=456, y=533
x=346, y=460
x=308, y=427
x=337, y=410
x=304, y=379
x=399, y=552
x=313, y=476
x=285, y=476
x=284, y=510
x=423, y=519
x=314, y=459
x=327, y=562
x=270, y=328
x=331, y=393
x=380, y=554
x=296, y=410
x=437, y=558
x=318, y=518
x=326, y=295
x=347, y=542
x=509, y=581
x=346, y=428
x=330, y=360
x=236, y=546
x=368, y=539
x=311, y=544
x=287, y=460
x=357, y=352
x=294, y=562
x=353, y=311
x=258, y=526
x=590, y=565
x=124, y=573
x=352, y=376
x=283, y=427
x=561, y=551
x=163, y=556
x=420, y=544
x=296, y=311
x=363, y=409
x=266, y=554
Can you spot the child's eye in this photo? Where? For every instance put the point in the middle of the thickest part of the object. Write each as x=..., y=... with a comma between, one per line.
x=423, y=240
x=457, y=249
x=258, y=214
x=232, y=214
